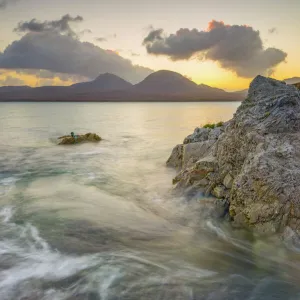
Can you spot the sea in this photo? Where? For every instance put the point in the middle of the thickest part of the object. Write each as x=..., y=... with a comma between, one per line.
x=103, y=221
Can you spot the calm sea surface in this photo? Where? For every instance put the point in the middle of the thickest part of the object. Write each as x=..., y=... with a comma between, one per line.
x=101, y=221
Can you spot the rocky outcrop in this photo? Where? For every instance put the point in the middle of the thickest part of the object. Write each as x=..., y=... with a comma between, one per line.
x=69, y=140
x=297, y=85
x=253, y=161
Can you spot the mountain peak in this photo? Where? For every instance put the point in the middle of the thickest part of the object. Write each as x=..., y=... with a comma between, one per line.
x=107, y=76
x=167, y=74
x=105, y=82
x=166, y=82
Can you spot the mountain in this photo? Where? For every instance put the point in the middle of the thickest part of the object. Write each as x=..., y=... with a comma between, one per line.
x=166, y=82
x=104, y=82
x=9, y=89
x=292, y=80
x=159, y=86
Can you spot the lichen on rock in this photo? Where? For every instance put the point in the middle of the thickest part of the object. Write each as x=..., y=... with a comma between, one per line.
x=253, y=159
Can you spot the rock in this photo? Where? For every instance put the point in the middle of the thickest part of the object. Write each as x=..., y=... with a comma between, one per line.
x=219, y=191
x=253, y=160
x=220, y=208
x=203, y=134
x=195, y=147
x=227, y=182
x=175, y=160
x=69, y=140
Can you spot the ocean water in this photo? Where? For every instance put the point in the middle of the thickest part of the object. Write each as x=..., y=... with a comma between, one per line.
x=102, y=221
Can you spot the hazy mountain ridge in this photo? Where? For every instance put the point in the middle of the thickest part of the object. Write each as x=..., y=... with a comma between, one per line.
x=159, y=86
x=292, y=80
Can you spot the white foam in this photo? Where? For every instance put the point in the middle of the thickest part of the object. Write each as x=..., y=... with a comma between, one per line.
x=8, y=181
x=88, y=153
x=220, y=233
x=6, y=213
x=6, y=184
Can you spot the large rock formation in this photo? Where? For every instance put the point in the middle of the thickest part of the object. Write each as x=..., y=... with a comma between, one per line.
x=253, y=161
x=69, y=140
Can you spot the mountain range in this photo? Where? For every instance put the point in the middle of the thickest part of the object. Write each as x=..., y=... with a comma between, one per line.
x=159, y=86
x=292, y=80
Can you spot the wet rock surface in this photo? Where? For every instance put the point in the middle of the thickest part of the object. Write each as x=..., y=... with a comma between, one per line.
x=78, y=139
x=252, y=161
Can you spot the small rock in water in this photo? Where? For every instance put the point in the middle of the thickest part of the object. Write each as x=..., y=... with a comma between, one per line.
x=77, y=139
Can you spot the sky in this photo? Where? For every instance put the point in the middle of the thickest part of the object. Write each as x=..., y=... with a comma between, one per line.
x=221, y=43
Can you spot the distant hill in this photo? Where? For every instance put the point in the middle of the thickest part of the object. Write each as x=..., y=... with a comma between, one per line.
x=166, y=82
x=104, y=82
x=9, y=89
x=159, y=86
x=292, y=80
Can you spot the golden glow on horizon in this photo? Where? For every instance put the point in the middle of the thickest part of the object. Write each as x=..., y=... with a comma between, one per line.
x=32, y=80
x=201, y=72
x=125, y=27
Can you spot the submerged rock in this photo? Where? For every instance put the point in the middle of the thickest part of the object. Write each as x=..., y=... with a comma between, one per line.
x=254, y=159
x=69, y=140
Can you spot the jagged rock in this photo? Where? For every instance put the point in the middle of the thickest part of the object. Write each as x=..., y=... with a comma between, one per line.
x=256, y=156
x=204, y=134
x=69, y=140
x=196, y=146
x=219, y=192
x=228, y=181
x=297, y=85
x=175, y=160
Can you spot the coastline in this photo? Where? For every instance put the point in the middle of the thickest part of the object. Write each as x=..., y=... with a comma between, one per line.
x=118, y=101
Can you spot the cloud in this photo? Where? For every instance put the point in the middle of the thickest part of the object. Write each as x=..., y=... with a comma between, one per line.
x=238, y=48
x=61, y=25
x=49, y=75
x=106, y=38
x=154, y=35
x=101, y=39
x=273, y=30
x=11, y=81
x=63, y=54
x=5, y=3
x=85, y=31
x=134, y=54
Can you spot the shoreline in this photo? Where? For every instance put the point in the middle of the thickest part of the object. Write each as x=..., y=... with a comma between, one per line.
x=119, y=101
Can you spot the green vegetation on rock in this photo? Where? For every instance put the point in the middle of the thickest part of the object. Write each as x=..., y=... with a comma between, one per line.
x=212, y=126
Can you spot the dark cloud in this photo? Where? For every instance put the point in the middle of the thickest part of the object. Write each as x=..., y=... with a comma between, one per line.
x=85, y=31
x=273, y=30
x=64, y=54
x=101, y=39
x=154, y=35
x=5, y=3
x=106, y=38
x=236, y=48
x=61, y=26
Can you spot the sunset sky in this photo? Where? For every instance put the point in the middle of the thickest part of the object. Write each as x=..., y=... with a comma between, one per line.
x=222, y=43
